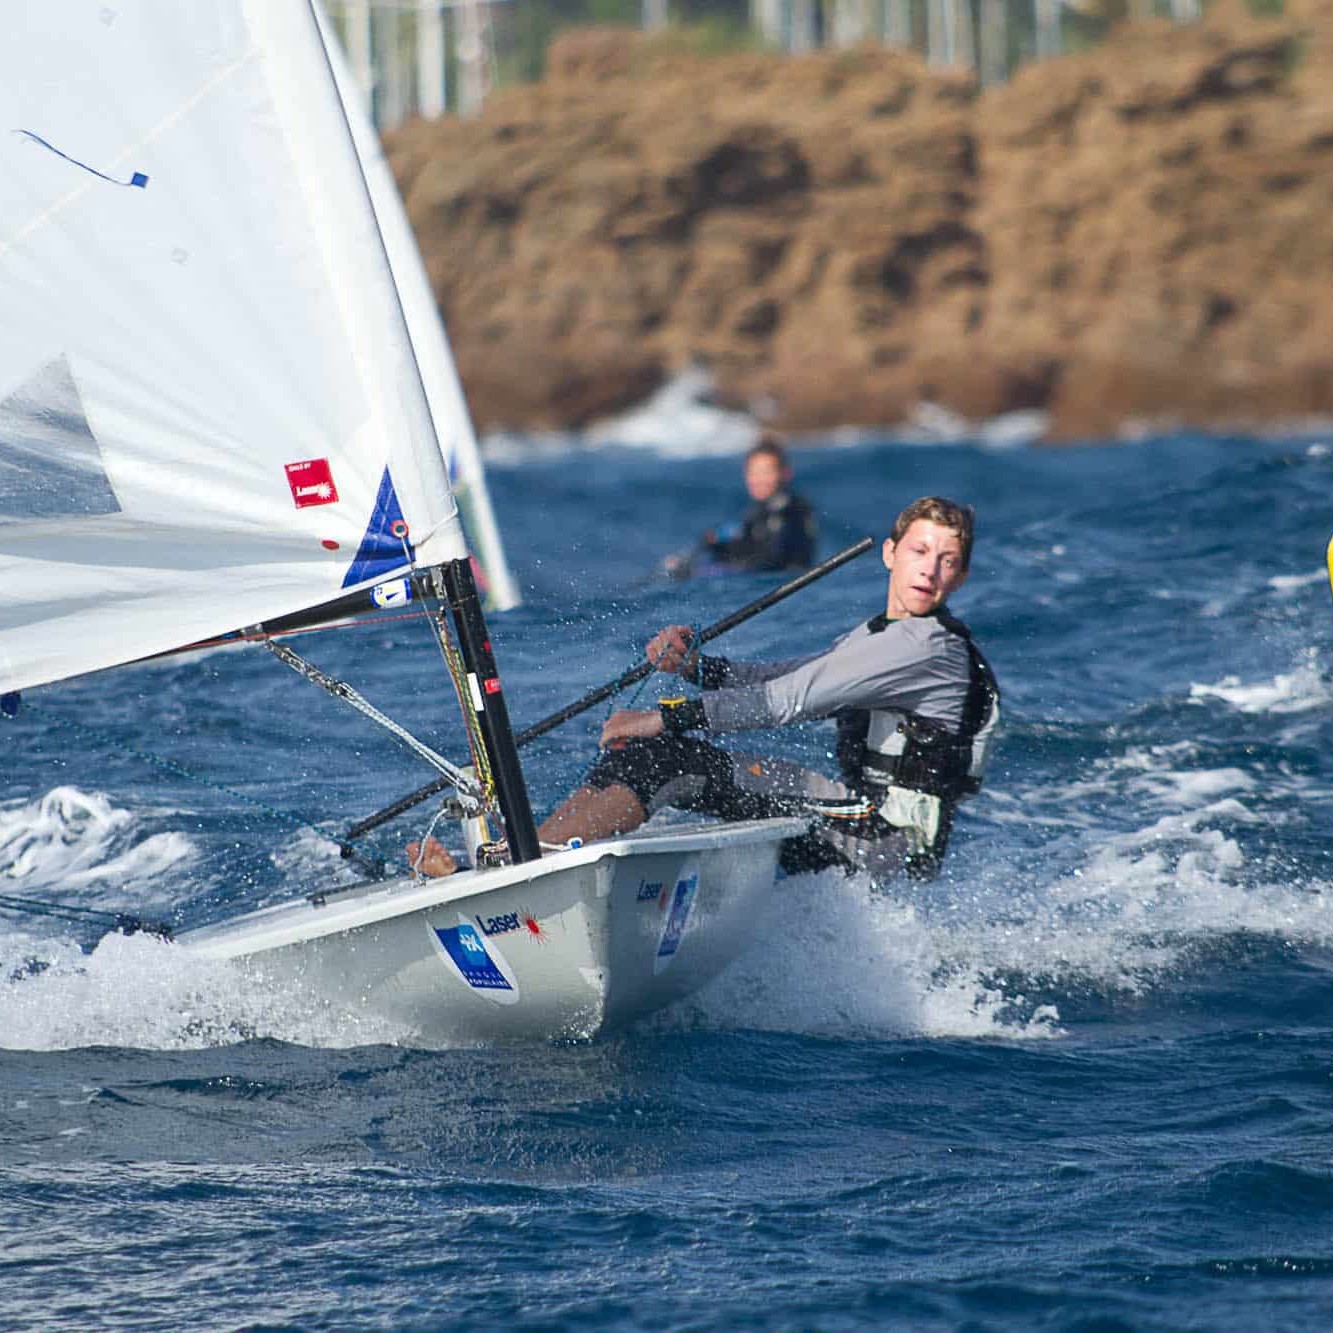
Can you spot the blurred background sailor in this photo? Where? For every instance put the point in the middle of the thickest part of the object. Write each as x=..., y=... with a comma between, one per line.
x=778, y=530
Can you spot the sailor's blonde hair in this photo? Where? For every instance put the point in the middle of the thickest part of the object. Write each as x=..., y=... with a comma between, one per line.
x=959, y=519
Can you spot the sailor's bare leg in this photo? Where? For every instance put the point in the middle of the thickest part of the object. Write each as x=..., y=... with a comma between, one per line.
x=591, y=813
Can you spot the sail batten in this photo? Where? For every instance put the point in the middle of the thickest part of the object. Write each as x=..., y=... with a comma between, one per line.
x=205, y=379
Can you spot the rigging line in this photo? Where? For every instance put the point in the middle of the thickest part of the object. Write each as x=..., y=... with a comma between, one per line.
x=18, y=903
x=179, y=770
x=453, y=660
x=696, y=629
x=123, y=921
x=425, y=838
x=594, y=697
x=342, y=690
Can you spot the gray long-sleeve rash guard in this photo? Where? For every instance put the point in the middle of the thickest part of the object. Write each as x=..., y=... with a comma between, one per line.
x=911, y=665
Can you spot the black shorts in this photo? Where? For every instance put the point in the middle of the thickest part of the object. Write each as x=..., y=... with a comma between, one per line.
x=687, y=773
x=692, y=775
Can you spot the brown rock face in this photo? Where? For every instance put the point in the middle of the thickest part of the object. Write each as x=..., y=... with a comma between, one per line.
x=1137, y=233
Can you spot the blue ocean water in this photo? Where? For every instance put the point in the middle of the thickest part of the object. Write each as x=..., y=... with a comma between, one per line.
x=1081, y=1081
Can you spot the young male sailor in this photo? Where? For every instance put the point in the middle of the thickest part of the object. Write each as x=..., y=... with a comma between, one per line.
x=915, y=702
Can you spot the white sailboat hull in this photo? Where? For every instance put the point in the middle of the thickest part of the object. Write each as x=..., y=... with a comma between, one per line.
x=574, y=945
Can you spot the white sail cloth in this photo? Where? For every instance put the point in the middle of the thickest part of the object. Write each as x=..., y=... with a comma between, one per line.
x=210, y=408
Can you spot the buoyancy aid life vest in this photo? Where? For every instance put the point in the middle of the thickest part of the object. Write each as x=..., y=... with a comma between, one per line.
x=915, y=770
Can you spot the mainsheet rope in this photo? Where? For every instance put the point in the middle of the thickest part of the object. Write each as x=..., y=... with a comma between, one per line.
x=696, y=629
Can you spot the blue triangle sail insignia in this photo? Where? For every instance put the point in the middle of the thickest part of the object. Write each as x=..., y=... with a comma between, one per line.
x=382, y=551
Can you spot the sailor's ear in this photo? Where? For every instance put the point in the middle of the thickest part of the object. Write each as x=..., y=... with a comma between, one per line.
x=886, y=553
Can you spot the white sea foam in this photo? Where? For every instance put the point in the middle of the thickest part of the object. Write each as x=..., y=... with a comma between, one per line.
x=834, y=958
x=1109, y=912
x=307, y=853
x=139, y=991
x=680, y=421
x=76, y=840
x=77, y=848
x=1295, y=691
x=1294, y=582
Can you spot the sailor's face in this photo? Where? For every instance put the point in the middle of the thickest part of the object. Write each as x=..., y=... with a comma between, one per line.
x=925, y=567
x=763, y=477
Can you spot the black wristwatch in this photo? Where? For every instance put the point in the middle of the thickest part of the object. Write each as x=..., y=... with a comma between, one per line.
x=680, y=715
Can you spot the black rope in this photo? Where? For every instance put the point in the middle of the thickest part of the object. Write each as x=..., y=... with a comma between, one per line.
x=695, y=630
x=122, y=921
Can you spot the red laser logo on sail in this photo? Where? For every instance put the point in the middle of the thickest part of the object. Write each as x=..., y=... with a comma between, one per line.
x=311, y=481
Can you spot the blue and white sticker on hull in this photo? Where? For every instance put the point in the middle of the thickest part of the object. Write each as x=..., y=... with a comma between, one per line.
x=676, y=916
x=476, y=962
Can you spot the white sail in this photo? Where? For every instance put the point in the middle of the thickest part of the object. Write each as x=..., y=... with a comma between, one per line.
x=210, y=409
x=444, y=393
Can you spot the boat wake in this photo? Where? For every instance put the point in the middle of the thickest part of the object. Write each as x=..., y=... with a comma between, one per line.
x=1144, y=916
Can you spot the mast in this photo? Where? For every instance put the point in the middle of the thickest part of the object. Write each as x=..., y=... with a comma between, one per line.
x=483, y=679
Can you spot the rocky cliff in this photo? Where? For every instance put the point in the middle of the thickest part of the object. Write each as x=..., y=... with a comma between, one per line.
x=1140, y=233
